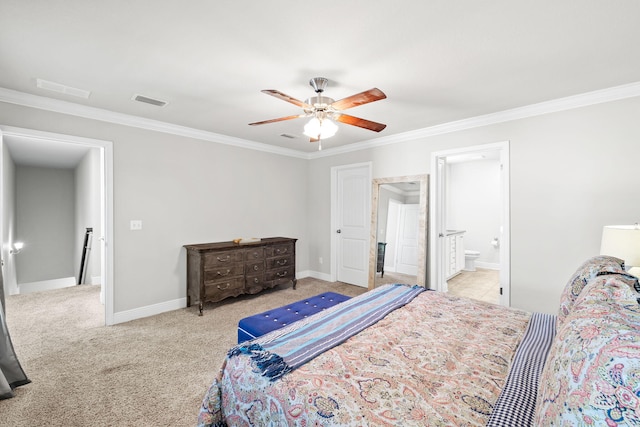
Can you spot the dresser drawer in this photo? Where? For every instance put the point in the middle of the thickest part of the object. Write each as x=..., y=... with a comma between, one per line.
x=254, y=254
x=255, y=284
x=223, y=271
x=215, y=259
x=254, y=267
x=280, y=273
x=277, y=250
x=220, y=288
x=278, y=262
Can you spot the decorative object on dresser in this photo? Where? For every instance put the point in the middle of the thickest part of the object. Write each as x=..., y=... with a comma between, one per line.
x=220, y=270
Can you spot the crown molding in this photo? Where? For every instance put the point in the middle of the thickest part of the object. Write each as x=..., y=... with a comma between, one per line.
x=561, y=104
x=576, y=101
x=58, y=106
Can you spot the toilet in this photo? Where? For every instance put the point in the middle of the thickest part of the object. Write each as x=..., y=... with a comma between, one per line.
x=470, y=260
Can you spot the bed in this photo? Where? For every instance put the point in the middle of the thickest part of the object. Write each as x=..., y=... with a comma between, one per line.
x=401, y=355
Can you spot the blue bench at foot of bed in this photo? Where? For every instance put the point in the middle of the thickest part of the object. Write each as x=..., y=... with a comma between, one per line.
x=259, y=324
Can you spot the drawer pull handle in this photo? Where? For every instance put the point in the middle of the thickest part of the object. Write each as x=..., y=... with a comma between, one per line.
x=226, y=286
x=220, y=273
x=256, y=280
x=256, y=254
x=282, y=274
x=255, y=267
x=281, y=262
x=223, y=259
x=283, y=251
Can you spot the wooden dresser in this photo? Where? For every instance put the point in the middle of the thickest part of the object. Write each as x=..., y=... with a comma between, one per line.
x=216, y=271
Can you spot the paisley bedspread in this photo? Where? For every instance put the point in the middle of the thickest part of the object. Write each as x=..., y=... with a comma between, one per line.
x=438, y=361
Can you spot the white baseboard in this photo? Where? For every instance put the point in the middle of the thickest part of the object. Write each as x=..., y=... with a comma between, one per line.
x=488, y=265
x=46, y=285
x=152, y=310
x=149, y=310
x=317, y=275
x=96, y=280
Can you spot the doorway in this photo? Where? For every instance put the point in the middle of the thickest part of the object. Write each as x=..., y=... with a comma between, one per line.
x=441, y=232
x=46, y=144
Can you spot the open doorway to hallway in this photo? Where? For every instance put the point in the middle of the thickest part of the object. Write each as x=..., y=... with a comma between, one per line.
x=53, y=188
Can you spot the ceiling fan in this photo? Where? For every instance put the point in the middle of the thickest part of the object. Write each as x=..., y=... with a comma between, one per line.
x=323, y=110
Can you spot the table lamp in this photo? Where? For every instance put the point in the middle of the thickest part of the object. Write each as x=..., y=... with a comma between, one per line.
x=623, y=241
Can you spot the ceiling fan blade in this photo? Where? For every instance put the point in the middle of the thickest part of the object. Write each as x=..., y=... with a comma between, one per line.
x=280, y=119
x=356, y=121
x=361, y=98
x=287, y=98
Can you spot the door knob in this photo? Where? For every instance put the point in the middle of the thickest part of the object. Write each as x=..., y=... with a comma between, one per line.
x=338, y=231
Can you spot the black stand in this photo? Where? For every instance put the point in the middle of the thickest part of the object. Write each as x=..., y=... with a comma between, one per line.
x=86, y=248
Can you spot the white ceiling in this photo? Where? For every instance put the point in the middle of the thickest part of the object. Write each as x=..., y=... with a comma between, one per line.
x=437, y=61
x=27, y=151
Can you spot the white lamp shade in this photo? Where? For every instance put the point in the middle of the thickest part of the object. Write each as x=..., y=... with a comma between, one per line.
x=622, y=241
x=320, y=129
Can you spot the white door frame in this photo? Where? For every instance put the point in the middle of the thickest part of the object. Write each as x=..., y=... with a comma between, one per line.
x=437, y=211
x=334, y=213
x=106, y=183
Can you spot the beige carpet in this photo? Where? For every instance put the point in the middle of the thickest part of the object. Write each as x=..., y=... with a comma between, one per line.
x=148, y=372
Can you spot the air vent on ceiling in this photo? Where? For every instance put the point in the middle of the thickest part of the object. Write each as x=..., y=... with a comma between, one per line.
x=60, y=88
x=147, y=100
x=288, y=135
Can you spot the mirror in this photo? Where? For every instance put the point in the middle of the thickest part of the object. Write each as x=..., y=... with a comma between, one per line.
x=399, y=229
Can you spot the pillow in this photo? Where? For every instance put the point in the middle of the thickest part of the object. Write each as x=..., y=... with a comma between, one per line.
x=602, y=264
x=592, y=374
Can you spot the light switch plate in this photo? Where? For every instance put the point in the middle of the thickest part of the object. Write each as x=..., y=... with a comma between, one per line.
x=135, y=224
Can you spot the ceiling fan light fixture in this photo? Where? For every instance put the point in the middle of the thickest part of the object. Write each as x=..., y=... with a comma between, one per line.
x=320, y=129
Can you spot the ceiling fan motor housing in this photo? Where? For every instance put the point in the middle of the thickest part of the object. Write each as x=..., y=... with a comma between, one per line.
x=319, y=84
x=320, y=103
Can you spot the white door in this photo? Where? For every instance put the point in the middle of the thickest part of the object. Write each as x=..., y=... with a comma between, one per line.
x=439, y=243
x=390, y=258
x=352, y=224
x=407, y=262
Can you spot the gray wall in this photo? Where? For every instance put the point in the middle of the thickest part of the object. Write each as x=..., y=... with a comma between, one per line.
x=87, y=214
x=8, y=222
x=45, y=222
x=185, y=191
x=571, y=173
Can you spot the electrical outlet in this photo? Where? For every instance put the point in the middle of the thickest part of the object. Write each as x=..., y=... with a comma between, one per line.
x=320, y=260
x=135, y=224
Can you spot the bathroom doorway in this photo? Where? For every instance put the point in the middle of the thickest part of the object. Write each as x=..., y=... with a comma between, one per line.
x=470, y=200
